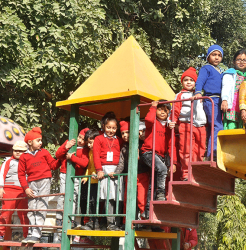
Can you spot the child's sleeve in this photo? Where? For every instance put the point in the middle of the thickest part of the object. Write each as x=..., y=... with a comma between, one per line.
x=61, y=151
x=201, y=80
x=177, y=108
x=150, y=117
x=22, y=173
x=227, y=85
x=81, y=162
x=242, y=96
x=96, y=154
x=53, y=163
x=119, y=169
x=193, y=238
x=1, y=174
x=87, y=172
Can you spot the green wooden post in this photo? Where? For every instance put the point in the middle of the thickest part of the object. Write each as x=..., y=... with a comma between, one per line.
x=132, y=174
x=115, y=243
x=68, y=202
x=176, y=242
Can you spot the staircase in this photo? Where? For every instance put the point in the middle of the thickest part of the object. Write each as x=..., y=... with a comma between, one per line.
x=187, y=198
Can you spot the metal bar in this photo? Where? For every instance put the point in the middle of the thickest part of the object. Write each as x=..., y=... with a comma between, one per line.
x=97, y=215
x=132, y=173
x=79, y=195
x=212, y=131
x=176, y=242
x=98, y=196
x=88, y=196
x=40, y=196
x=19, y=244
x=22, y=225
x=118, y=192
x=191, y=136
x=35, y=210
x=68, y=202
x=107, y=201
x=172, y=145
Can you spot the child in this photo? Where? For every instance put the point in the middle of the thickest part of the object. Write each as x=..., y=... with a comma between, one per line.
x=93, y=223
x=106, y=154
x=242, y=101
x=162, y=146
x=231, y=82
x=10, y=188
x=182, y=113
x=143, y=170
x=210, y=81
x=36, y=163
x=81, y=161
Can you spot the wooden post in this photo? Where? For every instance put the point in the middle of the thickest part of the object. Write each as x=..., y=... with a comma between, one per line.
x=68, y=202
x=176, y=242
x=132, y=174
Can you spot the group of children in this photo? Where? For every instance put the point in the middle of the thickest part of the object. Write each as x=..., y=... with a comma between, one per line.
x=101, y=153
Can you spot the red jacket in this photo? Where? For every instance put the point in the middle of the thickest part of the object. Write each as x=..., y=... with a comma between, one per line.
x=36, y=167
x=162, y=136
x=101, y=146
x=81, y=159
x=188, y=235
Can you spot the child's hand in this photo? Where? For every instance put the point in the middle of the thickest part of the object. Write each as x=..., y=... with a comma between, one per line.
x=69, y=155
x=186, y=246
x=111, y=175
x=197, y=96
x=224, y=106
x=172, y=125
x=155, y=103
x=30, y=193
x=70, y=144
x=1, y=193
x=243, y=115
x=100, y=175
x=84, y=180
x=94, y=176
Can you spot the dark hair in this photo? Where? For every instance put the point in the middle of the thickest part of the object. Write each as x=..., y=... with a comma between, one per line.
x=239, y=52
x=162, y=105
x=91, y=134
x=109, y=116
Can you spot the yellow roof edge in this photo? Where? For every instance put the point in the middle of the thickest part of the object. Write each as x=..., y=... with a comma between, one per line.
x=106, y=97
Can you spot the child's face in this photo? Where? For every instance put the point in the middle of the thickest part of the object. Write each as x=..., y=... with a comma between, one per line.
x=110, y=128
x=240, y=63
x=188, y=83
x=215, y=58
x=162, y=113
x=35, y=144
x=141, y=135
x=17, y=154
x=125, y=135
x=81, y=141
x=90, y=143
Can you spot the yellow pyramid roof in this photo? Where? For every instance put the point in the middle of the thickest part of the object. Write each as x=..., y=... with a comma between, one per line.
x=127, y=72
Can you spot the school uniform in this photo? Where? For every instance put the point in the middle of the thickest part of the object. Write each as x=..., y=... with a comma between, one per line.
x=37, y=167
x=10, y=183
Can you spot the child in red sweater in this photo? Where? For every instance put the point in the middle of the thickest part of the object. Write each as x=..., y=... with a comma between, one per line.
x=162, y=147
x=80, y=160
x=36, y=163
x=106, y=155
x=10, y=188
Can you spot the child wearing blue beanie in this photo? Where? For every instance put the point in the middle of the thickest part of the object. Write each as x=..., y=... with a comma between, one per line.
x=210, y=81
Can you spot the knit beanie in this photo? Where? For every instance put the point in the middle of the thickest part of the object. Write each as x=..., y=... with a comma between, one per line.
x=124, y=126
x=142, y=125
x=83, y=131
x=191, y=72
x=33, y=134
x=212, y=49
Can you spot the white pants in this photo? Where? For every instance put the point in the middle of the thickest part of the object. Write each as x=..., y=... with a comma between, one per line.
x=39, y=187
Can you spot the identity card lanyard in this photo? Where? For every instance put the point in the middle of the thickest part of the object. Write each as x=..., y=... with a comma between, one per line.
x=110, y=153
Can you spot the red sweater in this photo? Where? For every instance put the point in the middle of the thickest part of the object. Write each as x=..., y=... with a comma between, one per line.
x=36, y=167
x=81, y=159
x=189, y=235
x=162, y=136
x=101, y=146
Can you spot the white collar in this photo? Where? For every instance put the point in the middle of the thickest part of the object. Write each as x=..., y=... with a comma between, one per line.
x=163, y=123
x=109, y=136
x=32, y=152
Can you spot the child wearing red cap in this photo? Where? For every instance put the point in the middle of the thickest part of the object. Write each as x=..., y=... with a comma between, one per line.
x=80, y=160
x=10, y=188
x=182, y=113
x=36, y=163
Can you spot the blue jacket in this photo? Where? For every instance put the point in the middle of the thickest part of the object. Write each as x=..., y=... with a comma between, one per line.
x=228, y=86
x=209, y=80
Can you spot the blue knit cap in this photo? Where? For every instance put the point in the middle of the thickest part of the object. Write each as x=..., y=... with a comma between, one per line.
x=213, y=48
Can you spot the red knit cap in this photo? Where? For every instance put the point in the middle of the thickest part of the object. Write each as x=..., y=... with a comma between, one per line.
x=33, y=134
x=124, y=126
x=83, y=131
x=191, y=72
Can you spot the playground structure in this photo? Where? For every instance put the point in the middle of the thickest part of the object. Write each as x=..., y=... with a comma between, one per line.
x=126, y=84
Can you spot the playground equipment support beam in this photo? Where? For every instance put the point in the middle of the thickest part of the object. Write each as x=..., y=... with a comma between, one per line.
x=68, y=202
x=176, y=242
x=132, y=174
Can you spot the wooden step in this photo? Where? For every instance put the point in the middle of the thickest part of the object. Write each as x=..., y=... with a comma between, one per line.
x=174, y=215
x=212, y=178
x=187, y=195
